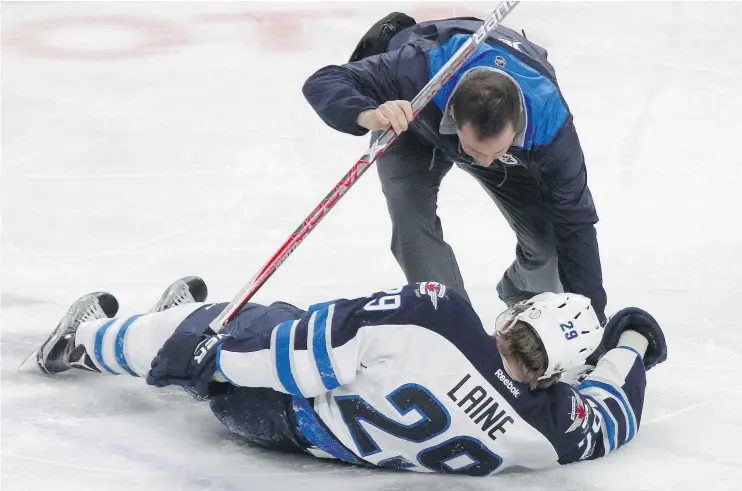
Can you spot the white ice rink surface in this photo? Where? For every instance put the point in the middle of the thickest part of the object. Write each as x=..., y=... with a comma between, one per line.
x=144, y=142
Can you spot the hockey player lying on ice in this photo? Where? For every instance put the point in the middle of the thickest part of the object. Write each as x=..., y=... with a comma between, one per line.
x=406, y=378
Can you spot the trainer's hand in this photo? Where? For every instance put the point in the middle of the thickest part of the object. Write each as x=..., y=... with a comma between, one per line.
x=397, y=114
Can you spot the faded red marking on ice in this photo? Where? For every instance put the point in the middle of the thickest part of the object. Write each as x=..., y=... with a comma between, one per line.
x=279, y=30
x=154, y=36
x=422, y=14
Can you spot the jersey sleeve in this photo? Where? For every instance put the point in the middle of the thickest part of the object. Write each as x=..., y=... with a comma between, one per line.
x=324, y=349
x=338, y=94
x=603, y=412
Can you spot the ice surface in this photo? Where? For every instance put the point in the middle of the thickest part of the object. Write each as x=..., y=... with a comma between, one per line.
x=147, y=141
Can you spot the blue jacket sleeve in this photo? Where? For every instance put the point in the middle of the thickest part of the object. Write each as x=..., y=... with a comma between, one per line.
x=572, y=212
x=340, y=93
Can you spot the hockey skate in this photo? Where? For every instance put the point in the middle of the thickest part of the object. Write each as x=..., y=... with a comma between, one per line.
x=57, y=354
x=185, y=290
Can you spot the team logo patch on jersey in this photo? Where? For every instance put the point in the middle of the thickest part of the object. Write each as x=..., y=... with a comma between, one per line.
x=508, y=159
x=579, y=413
x=499, y=61
x=433, y=290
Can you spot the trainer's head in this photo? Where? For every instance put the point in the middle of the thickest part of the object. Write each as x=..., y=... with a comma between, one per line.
x=542, y=337
x=486, y=107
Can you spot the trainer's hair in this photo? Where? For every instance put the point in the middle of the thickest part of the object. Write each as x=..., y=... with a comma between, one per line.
x=487, y=100
x=520, y=344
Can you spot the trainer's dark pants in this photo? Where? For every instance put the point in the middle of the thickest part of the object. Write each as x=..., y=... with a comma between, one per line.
x=262, y=416
x=411, y=175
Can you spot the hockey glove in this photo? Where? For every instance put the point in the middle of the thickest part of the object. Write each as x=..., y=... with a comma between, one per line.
x=189, y=361
x=637, y=320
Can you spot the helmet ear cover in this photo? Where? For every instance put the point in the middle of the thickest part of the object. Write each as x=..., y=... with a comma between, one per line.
x=565, y=323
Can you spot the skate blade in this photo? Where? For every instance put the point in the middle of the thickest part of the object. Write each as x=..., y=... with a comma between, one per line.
x=25, y=366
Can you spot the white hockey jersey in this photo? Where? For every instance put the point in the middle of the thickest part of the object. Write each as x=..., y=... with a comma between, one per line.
x=408, y=378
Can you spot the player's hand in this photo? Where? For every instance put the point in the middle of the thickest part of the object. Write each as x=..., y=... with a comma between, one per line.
x=187, y=360
x=397, y=114
x=637, y=320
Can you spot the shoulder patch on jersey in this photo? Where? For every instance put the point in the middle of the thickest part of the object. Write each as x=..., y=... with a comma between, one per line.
x=433, y=290
x=579, y=413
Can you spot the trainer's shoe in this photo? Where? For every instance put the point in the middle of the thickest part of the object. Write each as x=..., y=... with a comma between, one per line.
x=54, y=355
x=185, y=290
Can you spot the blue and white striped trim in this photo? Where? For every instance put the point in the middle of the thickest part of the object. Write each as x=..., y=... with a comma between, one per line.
x=119, y=345
x=629, y=348
x=98, y=351
x=219, y=365
x=619, y=395
x=312, y=369
x=321, y=324
x=315, y=432
x=609, y=428
x=284, y=351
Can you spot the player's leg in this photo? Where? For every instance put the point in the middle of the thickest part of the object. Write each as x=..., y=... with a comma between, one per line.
x=89, y=337
x=516, y=194
x=262, y=416
x=411, y=175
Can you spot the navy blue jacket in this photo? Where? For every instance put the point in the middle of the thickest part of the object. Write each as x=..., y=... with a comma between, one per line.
x=551, y=150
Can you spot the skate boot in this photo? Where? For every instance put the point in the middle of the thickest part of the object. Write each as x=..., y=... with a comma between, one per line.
x=185, y=290
x=58, y=354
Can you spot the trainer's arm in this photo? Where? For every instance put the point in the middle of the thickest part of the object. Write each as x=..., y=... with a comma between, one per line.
x=340, y=93
x=571, y=210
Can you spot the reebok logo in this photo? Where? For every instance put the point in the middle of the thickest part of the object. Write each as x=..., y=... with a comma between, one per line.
x=507, y=383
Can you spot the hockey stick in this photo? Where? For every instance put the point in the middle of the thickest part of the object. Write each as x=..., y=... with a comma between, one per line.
x=377, y=149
